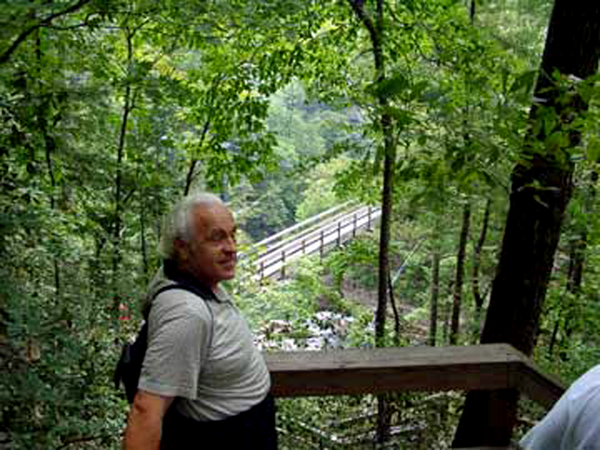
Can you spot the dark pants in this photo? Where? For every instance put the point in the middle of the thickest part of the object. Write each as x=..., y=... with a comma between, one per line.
x=250, y=430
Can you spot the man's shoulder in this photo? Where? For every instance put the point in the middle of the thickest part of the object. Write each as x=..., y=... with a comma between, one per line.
x=173, y=300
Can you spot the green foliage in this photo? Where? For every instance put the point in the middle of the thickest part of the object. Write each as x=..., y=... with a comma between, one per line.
x=357, y=260
x=320, y=194
x=109, y=111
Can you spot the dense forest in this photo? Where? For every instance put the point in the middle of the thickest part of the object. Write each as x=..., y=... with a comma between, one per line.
x=472, y=124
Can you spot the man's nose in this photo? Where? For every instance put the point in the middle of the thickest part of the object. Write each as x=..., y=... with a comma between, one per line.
x=230, y=245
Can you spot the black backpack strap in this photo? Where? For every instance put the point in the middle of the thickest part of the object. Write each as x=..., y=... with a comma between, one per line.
x=129, y=366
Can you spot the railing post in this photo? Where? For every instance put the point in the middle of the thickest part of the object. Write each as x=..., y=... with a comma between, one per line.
x=322, y=245
x=303, y=246
x=339, y=230
x=261, y=270
x=354, y=226
x=369, y=219
x=282, y=263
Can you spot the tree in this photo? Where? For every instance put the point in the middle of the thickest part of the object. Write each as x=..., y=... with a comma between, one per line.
x=375, y=28
x=460, y=271
x=540, y=190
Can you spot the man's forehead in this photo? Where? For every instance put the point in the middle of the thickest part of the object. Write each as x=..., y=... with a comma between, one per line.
x=209, y=216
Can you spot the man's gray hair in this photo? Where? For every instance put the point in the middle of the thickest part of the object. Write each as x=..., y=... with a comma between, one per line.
x=178, y=224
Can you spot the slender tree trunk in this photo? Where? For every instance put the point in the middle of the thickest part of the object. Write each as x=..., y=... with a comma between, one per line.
x=189, y=178
x=395, y=311
x=576, y=262
x=191, y=174
x=49, y=149
x=375, y=29
x=376, y=34
x=143, y=245
x=577, y=252
x=435, y=290
x=447, y=310
x=460, y=272
x=477, y=296
x=477, y=258
x=117, y=220
x=541, y=189
x=579, y=244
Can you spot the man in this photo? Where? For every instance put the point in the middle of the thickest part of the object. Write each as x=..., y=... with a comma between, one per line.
x=573, y=423
x=203, y=383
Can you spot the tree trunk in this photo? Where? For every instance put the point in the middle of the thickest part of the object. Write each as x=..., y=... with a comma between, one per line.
x=477, y=297
x=460, y=272
x=189, y=178
x=435, y=291
x=541, y=188
x=49, y=149
x=579, y=244
x=447, y=309
x=191, y=174
x=376, y=34
x=144, y=245
x=117, y=219
x=395, y=311
x=577, y=251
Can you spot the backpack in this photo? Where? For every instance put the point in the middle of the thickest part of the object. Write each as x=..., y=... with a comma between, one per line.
x=129, y=366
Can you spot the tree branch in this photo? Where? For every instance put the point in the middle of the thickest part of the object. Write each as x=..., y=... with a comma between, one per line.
x=358, y=6
x=4, y=57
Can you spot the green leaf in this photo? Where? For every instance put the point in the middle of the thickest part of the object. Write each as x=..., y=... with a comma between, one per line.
x=593, y=149
x=392, y=87
x=524, y=82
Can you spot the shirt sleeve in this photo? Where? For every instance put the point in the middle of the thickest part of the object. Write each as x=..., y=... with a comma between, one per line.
x=178, y=338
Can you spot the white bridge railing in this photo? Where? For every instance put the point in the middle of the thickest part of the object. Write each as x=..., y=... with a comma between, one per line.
x=270, y=257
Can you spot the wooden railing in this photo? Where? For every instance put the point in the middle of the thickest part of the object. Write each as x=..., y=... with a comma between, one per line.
x=274, y=240
x=333, y=230
x=375, y=371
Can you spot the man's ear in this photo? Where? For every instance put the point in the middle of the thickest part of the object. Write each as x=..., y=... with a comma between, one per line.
x=181, y=251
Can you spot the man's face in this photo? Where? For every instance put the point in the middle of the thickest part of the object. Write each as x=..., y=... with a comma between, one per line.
x=211, y=254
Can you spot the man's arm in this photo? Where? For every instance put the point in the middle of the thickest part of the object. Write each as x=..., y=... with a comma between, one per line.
x=145, y=421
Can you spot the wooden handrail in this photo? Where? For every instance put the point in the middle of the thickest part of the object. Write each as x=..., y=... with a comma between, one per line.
x=361, y=371
x=313, y=236
x=293, y=237
x=301, y=225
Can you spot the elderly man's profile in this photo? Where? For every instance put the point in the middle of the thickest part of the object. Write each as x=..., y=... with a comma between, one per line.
x=203, y=383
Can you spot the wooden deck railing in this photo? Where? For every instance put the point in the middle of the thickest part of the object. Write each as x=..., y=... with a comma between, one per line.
x=361, y=371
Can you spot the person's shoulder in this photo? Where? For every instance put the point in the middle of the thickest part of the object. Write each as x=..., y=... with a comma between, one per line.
x=174, y=301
